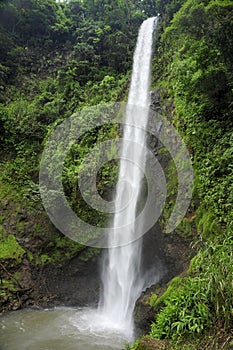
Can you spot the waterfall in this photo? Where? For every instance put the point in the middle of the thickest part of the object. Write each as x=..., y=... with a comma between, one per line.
x=122, y=283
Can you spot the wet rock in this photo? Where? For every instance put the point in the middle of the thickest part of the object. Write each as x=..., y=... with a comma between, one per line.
x=170, y=255
x=155, y=100
x=76, y=283
x=144, y=315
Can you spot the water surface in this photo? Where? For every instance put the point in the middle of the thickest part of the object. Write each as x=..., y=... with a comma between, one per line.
x=59, y=329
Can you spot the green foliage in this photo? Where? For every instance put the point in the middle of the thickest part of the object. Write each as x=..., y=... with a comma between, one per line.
x=153, y=299
x=186, y=311
x=6, y=286
x=156, y=301
x=9, y=247
x=215, y=174
x=195, y=303
x=134, y=346
x=198, y=71
x=192, y=67
x=214, y=264
x=89, y=254
x=197, y=75
x=60, y=249
x=96, y=38
x=206, y=224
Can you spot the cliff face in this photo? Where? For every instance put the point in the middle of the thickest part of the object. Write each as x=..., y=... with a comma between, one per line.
x=192, y=72
x=40, y=266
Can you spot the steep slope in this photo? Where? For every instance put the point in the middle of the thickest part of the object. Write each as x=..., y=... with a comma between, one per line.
x=193, y=73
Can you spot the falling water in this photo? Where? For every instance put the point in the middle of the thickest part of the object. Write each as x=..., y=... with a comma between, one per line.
x=122, y=283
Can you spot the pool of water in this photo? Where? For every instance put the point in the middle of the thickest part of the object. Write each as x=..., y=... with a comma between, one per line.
x=60, y=329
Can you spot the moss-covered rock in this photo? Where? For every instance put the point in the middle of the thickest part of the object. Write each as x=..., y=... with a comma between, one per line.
x=38, y=264
x=9, y=247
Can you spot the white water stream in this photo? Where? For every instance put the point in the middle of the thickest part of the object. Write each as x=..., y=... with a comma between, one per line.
x=122, y=282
